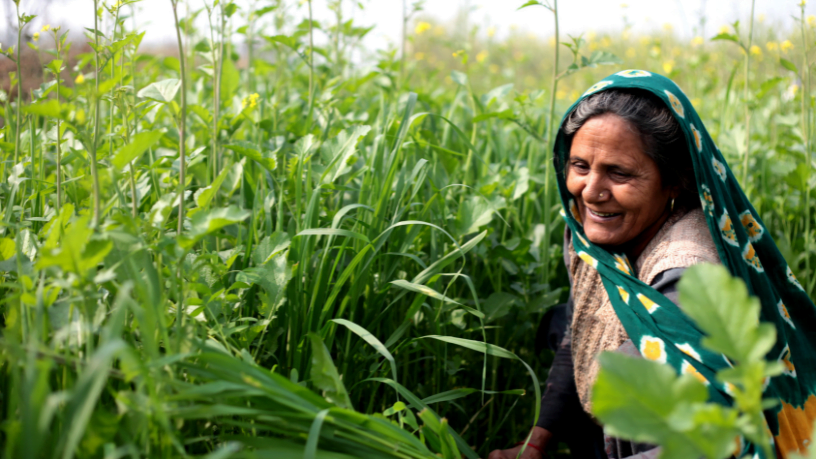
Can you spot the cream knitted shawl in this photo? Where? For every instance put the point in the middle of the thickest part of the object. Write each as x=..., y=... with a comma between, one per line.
x=682, y=241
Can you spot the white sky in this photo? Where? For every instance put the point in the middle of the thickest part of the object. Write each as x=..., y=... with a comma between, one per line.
x=576, y=16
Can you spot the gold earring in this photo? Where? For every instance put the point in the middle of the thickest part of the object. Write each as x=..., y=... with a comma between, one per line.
x=672, y=206
x=600, y=195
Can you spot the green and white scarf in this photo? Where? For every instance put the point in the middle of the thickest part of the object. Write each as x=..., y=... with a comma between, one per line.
x=659, y=329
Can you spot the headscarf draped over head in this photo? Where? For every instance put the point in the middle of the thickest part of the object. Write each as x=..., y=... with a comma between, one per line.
x=658, y=327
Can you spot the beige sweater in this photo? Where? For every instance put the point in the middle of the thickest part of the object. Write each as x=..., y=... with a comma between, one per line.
x=682, y=241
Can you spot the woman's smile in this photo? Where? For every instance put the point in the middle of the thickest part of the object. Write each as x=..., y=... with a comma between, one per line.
x=616, y=185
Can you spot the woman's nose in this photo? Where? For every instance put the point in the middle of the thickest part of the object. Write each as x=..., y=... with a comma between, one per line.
x=594, y=191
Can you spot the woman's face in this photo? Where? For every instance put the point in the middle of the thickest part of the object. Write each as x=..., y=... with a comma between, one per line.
x=617, y=187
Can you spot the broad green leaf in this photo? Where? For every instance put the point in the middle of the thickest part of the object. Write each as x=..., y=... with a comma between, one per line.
x=209, y=221
x=646, y=401
x=203, y=196
x=230, y=80
x=273, y=276
x=460, y=78
x=310, y=451
x=341, y=149
x=721, y=307
x=324, y=374
x=789, y=65
x=270, y=246
x=7, y=248
x=265, y=159
x=50, y=108
x=725, y=36
x=473, y=213
x=161, y=91
x=76, y=251
x=136, y=148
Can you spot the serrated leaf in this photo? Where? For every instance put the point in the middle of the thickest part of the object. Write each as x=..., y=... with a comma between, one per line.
x=721, y=307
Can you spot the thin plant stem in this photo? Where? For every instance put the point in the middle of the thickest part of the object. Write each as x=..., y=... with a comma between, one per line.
x=20, y=26
x=182, y=117
x=311, y=63
x=805, y=120
x=95, y=141
x=548, y=159
x=746, y=91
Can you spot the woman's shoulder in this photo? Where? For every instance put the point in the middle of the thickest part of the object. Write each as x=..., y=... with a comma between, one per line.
x=684, y=240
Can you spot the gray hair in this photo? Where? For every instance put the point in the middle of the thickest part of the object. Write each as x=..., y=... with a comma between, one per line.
x=659, y=131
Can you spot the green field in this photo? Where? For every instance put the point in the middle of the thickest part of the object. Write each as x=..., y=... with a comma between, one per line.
x=271, y=252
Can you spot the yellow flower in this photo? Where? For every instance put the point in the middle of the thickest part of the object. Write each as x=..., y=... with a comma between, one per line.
x=624, y=5
x=668, y=27
x=786, y=46
x=811, y=20
x=36, y=36
x=626, y=34
x=421, y=27
x=491, y=31
x=668, y=66
x=591, y=35
x=45, y=28
x=756, y=50
x=631, y=53
x=772, y=46
x=697, y=41
x=481, y=56
x=251, y=101
x=419, y=56
x=80, y=79
x=725, y=29
x=802, y=3
x=761, y=18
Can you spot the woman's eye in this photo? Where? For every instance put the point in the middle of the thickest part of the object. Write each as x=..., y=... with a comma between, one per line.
x=620, y=174
x=579, y=166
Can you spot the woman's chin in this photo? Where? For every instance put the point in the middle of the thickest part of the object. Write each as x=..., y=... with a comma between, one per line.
x=604, y=238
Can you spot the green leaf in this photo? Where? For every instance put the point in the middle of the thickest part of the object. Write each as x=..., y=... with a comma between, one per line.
x=473, y=213
x=423, y=289
x=533, y=3
x=603, y=58
x=324, y=374
x=230, y=80
x=161, y=91
x=645, y=401
x=504, y=114
x=7, y=248
x=341, y=148
x=273, y=276
x=726, y=36
x=206, y=222
x=333, y=232
x=244, y=148
x=50, y=108
x=203, y=196
x=721, y=307
x=270, y=246
x=285, y=40
x=139, y=144
x=460, y=78
x=789, y=65
x=372, y=341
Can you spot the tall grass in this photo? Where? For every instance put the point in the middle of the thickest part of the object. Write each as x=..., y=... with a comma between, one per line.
x=341, y=261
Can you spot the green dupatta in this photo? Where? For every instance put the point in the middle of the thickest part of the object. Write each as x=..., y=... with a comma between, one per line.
x=659, y=328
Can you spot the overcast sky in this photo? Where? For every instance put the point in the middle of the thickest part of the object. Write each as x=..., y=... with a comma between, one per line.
x=576, y=16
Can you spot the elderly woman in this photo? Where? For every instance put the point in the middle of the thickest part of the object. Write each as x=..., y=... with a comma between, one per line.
x=647, y=194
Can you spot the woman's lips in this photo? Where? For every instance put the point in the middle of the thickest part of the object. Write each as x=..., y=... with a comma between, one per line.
x=602, y=217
